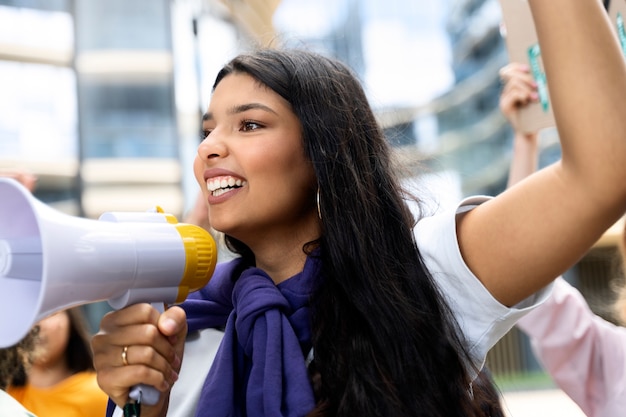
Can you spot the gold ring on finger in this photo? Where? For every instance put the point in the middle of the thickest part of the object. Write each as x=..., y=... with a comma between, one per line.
x=125, y=356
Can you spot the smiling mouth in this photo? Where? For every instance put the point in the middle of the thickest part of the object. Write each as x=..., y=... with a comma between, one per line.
x=221, y=185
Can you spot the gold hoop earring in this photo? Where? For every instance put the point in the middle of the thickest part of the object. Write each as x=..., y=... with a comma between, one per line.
x=317, y=199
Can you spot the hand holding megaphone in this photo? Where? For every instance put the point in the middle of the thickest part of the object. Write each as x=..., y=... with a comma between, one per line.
x=50, y=261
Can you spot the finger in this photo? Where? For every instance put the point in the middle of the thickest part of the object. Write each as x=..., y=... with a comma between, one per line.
x=139, y=334
x=143, y=367
x=514, y=67
x=117, y=381
x=520, y=73
x=132, y=326
x=133, y=314
x=519, y=87
x=142, y=357
x=163, y=358
x=516, y=99
x=513, y=101
x=173, y=322
x=519, y=78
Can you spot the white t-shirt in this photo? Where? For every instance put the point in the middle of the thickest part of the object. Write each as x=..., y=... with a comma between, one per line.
x=482, y=319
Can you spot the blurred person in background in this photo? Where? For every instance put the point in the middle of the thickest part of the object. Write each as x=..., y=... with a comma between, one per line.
x=12, y=361
x=61, y=380
x=582, y=352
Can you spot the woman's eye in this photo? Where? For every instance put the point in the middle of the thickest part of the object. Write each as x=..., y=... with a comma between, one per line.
x=204, y=134
x=248, y=125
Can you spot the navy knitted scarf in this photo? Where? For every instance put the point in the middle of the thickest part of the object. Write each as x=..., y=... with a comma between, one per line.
x=259, y=369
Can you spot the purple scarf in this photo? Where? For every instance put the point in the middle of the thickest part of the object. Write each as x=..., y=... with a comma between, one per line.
x=259, y=369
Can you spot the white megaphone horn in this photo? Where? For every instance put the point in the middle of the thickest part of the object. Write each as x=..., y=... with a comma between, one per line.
x=50, y=261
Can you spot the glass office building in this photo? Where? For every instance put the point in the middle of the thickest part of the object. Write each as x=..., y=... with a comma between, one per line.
x=90, y=104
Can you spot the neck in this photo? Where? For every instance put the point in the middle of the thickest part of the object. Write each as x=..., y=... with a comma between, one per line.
x=280, y=251
x=281, y=263
x=48, y=375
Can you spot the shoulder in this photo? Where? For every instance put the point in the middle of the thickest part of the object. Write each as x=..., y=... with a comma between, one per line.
x=82, y=390
x=482, y=319
x=10, y=407
x=82, y=381
x=436, y=238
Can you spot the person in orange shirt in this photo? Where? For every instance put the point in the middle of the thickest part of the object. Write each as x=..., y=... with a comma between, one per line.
x=61, y=380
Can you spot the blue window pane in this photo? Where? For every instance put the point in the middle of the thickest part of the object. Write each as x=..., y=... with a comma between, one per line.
x=123, y=24
x=127, y=120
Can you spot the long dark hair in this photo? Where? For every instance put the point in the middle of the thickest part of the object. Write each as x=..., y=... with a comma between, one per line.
x=384, y=340
x=14, y=358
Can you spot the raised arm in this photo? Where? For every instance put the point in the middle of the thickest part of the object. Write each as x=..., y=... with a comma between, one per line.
x=519, y=90
x=530, y=234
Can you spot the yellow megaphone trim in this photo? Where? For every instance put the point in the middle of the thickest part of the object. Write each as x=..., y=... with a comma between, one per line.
x=170, y=218
x=200, y=259
x=200, y=256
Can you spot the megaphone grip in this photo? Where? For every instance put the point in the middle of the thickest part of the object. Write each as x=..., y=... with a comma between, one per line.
x=144, y=394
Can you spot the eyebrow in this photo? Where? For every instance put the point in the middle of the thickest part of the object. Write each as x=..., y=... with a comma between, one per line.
x=240, y=109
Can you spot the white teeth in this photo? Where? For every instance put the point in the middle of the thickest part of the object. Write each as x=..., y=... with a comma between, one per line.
x=221, y=185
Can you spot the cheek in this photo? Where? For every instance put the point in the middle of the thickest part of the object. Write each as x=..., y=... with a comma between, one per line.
x=198, y=171
x=54, y=333
x=297, y=177
x=53, y=324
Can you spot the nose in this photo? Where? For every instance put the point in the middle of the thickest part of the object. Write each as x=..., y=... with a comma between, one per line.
x=212, y=147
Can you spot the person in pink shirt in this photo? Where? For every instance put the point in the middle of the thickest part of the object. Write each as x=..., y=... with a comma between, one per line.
x=583, y=353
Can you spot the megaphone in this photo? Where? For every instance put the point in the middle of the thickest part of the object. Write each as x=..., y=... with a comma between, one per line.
x=50, y=261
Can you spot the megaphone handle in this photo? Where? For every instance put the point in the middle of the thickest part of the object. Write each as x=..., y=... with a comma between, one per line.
x=142, y=393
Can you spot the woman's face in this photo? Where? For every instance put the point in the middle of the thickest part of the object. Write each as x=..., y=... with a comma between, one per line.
x=54, y=333
x=251, y=165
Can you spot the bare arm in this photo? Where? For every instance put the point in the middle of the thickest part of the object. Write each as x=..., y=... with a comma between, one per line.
x=524, y=238
x=519, y=90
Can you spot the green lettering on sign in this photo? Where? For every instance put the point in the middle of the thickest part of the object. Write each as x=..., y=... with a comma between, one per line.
x=534, y=53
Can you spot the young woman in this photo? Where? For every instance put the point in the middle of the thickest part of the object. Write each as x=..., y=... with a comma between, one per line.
x=61, y=379
x=339, y=303
x=583, y=353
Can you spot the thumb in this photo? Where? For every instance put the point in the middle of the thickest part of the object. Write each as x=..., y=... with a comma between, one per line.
x=173, y=324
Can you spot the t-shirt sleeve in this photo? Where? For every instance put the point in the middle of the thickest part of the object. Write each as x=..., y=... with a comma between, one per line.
x=481, y=318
